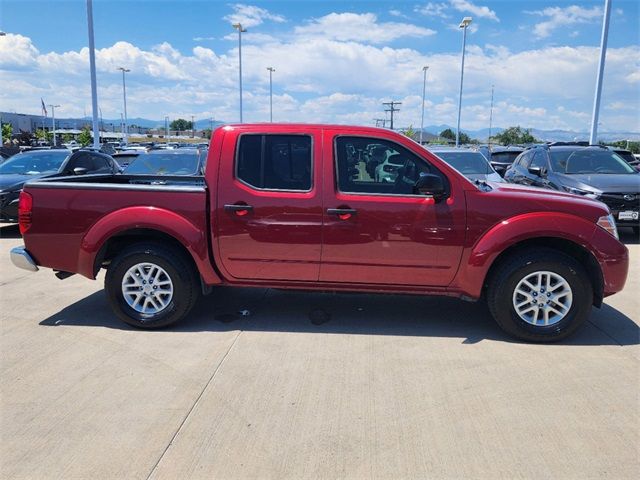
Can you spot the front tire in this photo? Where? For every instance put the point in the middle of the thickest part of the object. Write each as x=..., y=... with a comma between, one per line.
x=540, y=295
x=150, y=285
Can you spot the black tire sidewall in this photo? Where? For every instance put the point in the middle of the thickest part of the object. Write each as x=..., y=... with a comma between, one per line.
x=180, y=275
x=581, y=291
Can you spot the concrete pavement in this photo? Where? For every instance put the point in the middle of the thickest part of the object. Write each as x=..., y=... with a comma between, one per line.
x=388, y=387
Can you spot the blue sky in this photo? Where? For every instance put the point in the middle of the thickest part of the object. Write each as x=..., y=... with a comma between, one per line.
x=334, y=61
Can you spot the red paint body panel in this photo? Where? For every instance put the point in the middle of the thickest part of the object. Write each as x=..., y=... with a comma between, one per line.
x=394, y=244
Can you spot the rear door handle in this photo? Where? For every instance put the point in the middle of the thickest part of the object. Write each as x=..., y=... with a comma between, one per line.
x=239, y=209
x=342, y=213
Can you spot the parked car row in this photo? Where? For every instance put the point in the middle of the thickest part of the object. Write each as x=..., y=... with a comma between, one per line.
x=47, y=163
x=603, y=173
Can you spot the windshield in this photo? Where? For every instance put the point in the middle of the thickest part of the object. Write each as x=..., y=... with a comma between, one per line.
x=504, y=157
x=34, y=163
x=466, y=162
x=165, y=164
x=574, y=162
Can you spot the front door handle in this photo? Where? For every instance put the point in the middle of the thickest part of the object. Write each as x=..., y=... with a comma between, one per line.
x=342, y=213
x=239, y=209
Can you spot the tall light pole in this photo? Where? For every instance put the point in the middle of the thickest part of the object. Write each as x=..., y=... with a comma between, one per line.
x=92, y=68
x=241, y=30
x=166, y=127
x=424, y=89
x=193, y=126
x=125, y=133
x=466, y=21
x=593, y=138
x=491, y=117
x=271, y=70
x=53, y=122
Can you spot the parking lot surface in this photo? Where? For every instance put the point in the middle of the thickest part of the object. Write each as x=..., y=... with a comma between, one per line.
x=309, y=385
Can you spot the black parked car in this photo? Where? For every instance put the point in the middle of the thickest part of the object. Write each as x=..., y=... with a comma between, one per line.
x=35, y=164
x=180, y=162
x=592, y=171
x=503, y=157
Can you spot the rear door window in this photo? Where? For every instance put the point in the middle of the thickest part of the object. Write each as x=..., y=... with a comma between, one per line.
x=275, y=162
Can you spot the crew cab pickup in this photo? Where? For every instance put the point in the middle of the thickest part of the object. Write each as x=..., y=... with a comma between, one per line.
x=296, y=206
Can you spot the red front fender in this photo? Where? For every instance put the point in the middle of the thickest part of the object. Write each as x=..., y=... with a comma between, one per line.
x=478, y=259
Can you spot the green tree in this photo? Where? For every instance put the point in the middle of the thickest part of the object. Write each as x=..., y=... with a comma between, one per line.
x=66, y=137
x=448, y=134
x=410, y=132
x=180, y=124
x=84, y=138
x=7, y=132
x=451, y=135
x=514, y=136
x=44, y=135
x=633, y=147
x=207, y=133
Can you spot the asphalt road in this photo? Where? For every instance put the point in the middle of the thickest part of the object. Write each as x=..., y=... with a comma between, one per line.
x=309, y=386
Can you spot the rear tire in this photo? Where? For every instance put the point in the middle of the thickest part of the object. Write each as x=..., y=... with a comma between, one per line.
x=557, y=305
x=135, y=298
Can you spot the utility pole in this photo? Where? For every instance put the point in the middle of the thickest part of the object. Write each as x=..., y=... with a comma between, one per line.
x=271, y=70
x=241, y=30
x=53, y=122
x=94, y=88
x=392, y=109
x=466, y=21
x=381, y=121
x=124, y=98
x=424, y=88
x=166, y=127
x=491, y=117
x=193, y=126
x=593, y=138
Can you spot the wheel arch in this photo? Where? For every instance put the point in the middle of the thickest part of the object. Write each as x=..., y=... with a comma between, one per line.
x=568, y=247
x=138, y=224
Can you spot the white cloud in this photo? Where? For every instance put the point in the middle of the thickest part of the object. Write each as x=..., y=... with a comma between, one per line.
x=362, y=27
x=251, y=16
x=466, y=6
x=203, y=39
x=556, y=17
x=329, y=81
x=433, y=9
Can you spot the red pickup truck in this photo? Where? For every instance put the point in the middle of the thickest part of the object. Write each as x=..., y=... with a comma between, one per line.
x=302, y=207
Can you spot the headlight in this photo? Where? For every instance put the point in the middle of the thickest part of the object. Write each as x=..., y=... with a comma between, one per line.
x=584, y=193
x=609, y=224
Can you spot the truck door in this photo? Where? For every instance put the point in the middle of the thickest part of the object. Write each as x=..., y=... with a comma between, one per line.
x=269, y=205
x=376, y=228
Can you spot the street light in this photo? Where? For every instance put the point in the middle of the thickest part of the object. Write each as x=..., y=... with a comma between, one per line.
x=491, y=117
x=424, y=88
x=92, y=68
x=241, y=30
x=466, y=21
x=593, y=138
x=53, y=122
x=125, y=132
x=166, y=127
x=271, y=70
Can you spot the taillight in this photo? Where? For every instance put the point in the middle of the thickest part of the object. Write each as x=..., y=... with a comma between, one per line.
x=25, y=206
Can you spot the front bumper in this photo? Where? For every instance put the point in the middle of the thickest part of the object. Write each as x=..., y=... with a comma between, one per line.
x=21, y=259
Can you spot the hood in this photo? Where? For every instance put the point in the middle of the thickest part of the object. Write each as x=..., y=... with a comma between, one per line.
x=544, y=200
x=623, y=183
x=14, y=181
x=487, y=177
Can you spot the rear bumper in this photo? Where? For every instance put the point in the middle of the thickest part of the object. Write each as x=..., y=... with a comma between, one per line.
x=21, y=259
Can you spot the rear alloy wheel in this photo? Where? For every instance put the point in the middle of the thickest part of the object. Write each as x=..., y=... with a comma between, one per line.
x=151, y=285
x=540, y=295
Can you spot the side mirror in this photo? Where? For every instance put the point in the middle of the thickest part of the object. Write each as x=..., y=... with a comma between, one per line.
x=431, y=185
x=80, y=171
x=535, y=171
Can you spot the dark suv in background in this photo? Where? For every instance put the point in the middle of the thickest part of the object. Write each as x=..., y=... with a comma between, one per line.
x=592, y=171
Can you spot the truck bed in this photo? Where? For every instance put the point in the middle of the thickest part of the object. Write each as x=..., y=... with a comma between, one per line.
x=67, y=208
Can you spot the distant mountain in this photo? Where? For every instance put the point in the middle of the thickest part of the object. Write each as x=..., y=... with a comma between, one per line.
x=544, y=135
